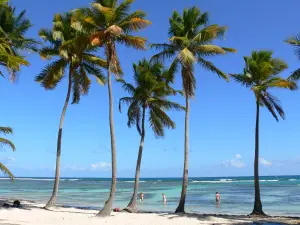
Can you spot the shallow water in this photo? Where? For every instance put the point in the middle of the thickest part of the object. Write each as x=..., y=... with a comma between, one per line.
x=280, y=195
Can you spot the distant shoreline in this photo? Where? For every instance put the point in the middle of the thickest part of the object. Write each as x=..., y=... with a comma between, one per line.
x=190, y=178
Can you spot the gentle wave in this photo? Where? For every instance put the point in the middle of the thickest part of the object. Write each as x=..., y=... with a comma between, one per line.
x=268, y=180
x=292, y=179
x=70, y=179
x=225, y=179
x=132, y=181
x=228, y=181
x=38, y=179
x=210, y=181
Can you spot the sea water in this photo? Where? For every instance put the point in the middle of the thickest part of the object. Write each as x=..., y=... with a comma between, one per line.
x=280, y=194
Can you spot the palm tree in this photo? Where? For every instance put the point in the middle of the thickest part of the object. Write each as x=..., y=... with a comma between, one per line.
x=70, y=51
x=13, y=42
x=295, y=42
x=150, y=94
x=110, y=23
x=190, y=41
x=261, y=73
x=4, y=141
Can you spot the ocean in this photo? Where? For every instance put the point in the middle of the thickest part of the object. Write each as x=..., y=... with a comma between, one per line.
x=280, y=194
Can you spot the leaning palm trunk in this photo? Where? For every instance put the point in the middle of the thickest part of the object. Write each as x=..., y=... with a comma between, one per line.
x=52, y=200
x=132, y=203
x=180, y=208
x=257, y=210
x=106, y=211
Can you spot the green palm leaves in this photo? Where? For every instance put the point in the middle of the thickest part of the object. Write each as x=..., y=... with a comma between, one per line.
x=71, y=50
x=6, y=142
x=150, y=91
x=190, y=41
x=261, y=73
x=295, y=42
x=13, y=42
x=110, y=23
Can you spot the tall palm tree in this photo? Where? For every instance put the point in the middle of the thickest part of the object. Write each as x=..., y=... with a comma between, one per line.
x=71, y=52
x=149, y=93
x=295, y=42
x=110, y=23
x=261, y=73
x=4, y=141
x=190, y=42
x=13, y=42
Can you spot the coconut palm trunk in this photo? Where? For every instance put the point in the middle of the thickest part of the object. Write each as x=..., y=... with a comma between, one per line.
x=132, y=203
x=53, y=198
x=106, y=211
x=180, y=208
x=257, y=210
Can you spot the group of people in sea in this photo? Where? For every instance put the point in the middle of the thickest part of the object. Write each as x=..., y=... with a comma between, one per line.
x=164, y=197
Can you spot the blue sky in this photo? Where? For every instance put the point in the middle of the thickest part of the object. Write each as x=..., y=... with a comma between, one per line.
x=222, y=114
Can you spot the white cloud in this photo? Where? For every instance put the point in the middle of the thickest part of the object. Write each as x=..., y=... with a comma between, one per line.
x=235, y=162
x=265, y=162
x=7, y=159
x=238, y=156
x=100, y=166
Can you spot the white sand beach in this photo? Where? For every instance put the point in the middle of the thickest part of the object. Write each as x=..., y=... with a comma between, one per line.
x=34, y=214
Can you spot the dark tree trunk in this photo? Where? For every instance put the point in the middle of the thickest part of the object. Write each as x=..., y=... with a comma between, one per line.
x=106, y=211
x=180, y=208
x=257, y=210
x=52, y=200
x=132, y=203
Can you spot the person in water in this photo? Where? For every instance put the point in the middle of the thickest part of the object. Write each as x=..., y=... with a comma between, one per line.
x=141, y=196
x=218, y=197
x=164, y=197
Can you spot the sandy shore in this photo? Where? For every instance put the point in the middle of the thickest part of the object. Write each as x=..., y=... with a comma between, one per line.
x=34, y=214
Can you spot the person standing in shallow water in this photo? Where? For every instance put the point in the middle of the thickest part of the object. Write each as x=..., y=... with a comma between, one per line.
x=164, y=197
x=141, y=196
x=218, y=197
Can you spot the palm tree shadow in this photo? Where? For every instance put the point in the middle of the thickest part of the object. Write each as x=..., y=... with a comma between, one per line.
x=236, y=219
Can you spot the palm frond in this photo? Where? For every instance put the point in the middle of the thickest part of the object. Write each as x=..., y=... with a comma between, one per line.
x=211, y=67
x=123, y=9
x=273, y=105
x=162, y=56
x=127, y=86
x=132, y=41
x=242, y=79
x=295, y=75
x=186, y=57
x=76, y=87
x=134, y=116
x=156, y=124
x=6, y=130
x=127, y=100
x=278, y=66
x=6, y=171
x=165, y=104
x=279, y=82
x=134, y=24
x=48, y=52
x=95, y=60
x=209, y=33
x=107, y=12
x=4, y=141
x=50, y=76
x=209, y=50
x=96, y=72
